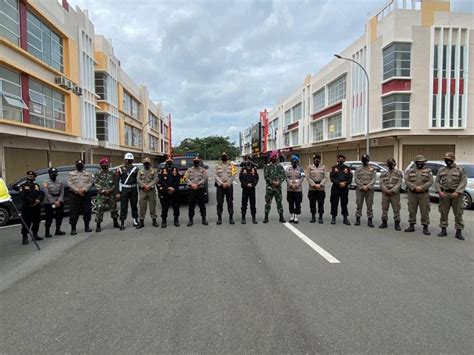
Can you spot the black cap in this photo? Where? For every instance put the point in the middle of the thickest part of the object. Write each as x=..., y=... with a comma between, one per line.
x=31, y=172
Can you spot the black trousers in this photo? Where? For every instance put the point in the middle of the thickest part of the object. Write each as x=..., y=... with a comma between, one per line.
x=316, y=196
x=248, y=194
x=32, y=218
x=167, y=200
x=79, y=204
x=294, y=199
x=337, y=194
x=229, y=196
x=196, y=196
x=128, y=194
x=56, y=213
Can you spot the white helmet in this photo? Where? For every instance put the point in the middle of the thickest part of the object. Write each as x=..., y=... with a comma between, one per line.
x=129, y=156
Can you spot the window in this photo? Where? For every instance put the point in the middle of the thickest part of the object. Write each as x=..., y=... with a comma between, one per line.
x=297, y=112
x=396, y=111
x=9, y=20
x=318, y=131
x=153, y=143
x=102, y=127
x=11, y=104
x=396, y=60
x=286, y=137
x=287, y=117
x=126, y=103
x=44, y=43
x=101, y=85
x=133, y=136
x=294, y=137
x=153, y=121
x=337, y=90
x=335, y=126
x=47, y=107
x=131, y=106
x=319, y=100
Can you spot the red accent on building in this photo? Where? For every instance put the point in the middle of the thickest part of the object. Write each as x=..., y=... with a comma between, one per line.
x=25, y=95
x=396, y=85
x=66, y=5
x=444, y=85
x=294, y=125
x=327, y=111
x=264, y=122
x=169, y=134
x=23, y=24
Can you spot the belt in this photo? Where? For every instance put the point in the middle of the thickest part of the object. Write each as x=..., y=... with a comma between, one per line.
x=141, y=188
x=449, y=191
x=129, y=186
x=54, y=195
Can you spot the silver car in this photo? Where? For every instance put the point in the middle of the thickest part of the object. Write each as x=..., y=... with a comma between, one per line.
x=435, y=165
x=378, y=166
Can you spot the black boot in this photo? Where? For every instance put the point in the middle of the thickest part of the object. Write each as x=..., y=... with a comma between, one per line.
x=176, y=221
x=87, y=229
x=25, y=240
x=164, y=223
x=98, y=229
x=346, y=221
x=370, y=223
x=243, y=221
x=320, y=219
x=265, y=220
x=190, y=223
x=37, y=237
x=384, y=224
x=204, y=221
x=282, y=219
x=333, y=220
x=313, y=218
x=155, y=223
x=231, y=219
x=122, y=225
x=411, y=228
x=397, y=226
x=140, y=225
x=357, y=222
x=135, y=222
x=116, y=223
x=59, y=231
x=254, y=219
x=425, y=230
x=47, y=233
x=219, y=219
x=73, y=230
x=443, y=232
x=459, y=234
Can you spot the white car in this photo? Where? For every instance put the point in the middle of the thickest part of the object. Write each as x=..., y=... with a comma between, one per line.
x=378, y=166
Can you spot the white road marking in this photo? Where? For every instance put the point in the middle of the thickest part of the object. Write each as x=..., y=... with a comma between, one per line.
x=312, y=244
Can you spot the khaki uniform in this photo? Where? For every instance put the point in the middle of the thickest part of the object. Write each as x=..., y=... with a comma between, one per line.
x=147, y=177
x=80, y=180
x=225, y=173
x=316, y=175
x=390, y=182
x=423, y=178
x=198, y=176
x=449, y=180
x=365, y=176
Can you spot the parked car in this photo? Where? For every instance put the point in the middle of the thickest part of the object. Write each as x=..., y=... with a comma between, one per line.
x=7, y=212
x=435, y=165
x=183, y=164
x=378, y=166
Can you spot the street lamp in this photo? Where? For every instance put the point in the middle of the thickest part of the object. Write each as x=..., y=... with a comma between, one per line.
x=367, y=99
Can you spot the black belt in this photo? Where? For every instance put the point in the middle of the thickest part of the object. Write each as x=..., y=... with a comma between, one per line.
x=449, y=191
x=54, y=195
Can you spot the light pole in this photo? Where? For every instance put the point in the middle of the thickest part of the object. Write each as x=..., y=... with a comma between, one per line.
x=367, y=99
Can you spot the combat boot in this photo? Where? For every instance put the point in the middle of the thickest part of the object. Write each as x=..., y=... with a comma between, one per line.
x=204, y=221
x=219, y=219
x=443, y=232
x=135, y=222
x=425, y=230
x=231, y=219
x=176, y=221
x=164, y=223
x=397, y=226
x=333, y=220
x=47, y=233
x=370, y=223
x=254, y=219
x=155, y=223
x=265, y=220
x=411, y=228
x=59, y=231
x=282, y=219
x=87, y=229
x=320, y=219
x=25, y=240
x=384, y=224
x=37, y=237
x=346, y=221
x=357, y=222
x=141, y=224
x=243, y=221
x=116, y=223
x=295, y=220
x=190, y=223
x=122, y=225
x=313, y=218
x=98, y=229
x=459, y=234
x=73, y=230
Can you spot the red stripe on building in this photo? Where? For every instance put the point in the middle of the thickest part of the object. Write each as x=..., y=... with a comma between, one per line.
x=293, y=125
x=444, y=86
x=23, y=24
x=396, y=85
x=25, y=95
x=66, y=5
x=327, y=111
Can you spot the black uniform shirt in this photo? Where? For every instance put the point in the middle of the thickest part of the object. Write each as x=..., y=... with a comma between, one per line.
x=30, y=191
x=341, y=174
x=248, y=176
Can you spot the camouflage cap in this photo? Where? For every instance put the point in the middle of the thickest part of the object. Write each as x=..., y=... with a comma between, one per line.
x=450, y=156
x=420, y=158
x=146, y=160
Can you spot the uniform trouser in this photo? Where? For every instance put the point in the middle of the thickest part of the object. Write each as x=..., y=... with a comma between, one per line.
x=316, y=196
x=78, y=204
x=338, y=193
x=294, y=199
x=32, y=218
x=421, y=200
x=103, y=204
x=269, y=195
x=128, y=194
x=393, y=200
x=229, y=196
x=168, y=200
x=447, y=202
x=196, y=196
x=56, y=213
x=248, y=194
x=148, y=198
x=368, y=196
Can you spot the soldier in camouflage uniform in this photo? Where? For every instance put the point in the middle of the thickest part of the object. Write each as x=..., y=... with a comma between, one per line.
x=390, y=182
x=147, y=179
x=104, y=181
x=418, y=180
x=365, y=180
x=274, y=175
x=450, y=183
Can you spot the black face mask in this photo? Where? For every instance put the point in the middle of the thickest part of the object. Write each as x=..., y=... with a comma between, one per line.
x=448, y=162
x=196, y=164
x=53, y=176
x=224, y=158
x=79, y=167
x=104, y=167
x=341, y=162
x=248, y=165
x=294, y=164
x=147, y=165
x=129, y=162
x=390, y=165
x=365, y=161
x=169, y=164
x=316, y=162
x=420, y=165
x=273, y=160
x=30, y=179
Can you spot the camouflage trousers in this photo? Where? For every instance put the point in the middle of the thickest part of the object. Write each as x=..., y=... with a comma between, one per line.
x=103, y=204
x=269, y=195
x=445, y=204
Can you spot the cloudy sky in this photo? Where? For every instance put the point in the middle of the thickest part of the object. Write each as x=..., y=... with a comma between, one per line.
x=216, y=63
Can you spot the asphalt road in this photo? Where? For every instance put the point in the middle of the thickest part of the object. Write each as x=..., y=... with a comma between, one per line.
x=240, y=289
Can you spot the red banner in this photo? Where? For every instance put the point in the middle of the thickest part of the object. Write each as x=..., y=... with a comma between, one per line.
x=264, y=121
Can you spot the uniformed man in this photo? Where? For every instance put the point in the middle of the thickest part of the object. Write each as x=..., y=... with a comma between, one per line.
x=168, y=191
x=390, y=183
x=274, y=175
x=224, y=174
x=104, y=181
x=53, y=191
x=147, y=179
x=451, y=182
x=365, y=176
x=316, y=176
x=80, y=183
x=418, y=181
x=196, y=178
x=341, y=178
x=31, y=196
x=294, y=194
x=126, y=185
x=248, y=178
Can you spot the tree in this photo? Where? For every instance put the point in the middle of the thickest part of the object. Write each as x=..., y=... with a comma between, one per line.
x=209, y=148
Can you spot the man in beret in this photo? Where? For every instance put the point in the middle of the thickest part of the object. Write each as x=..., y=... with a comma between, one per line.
x=104, y=181
x=274, y=175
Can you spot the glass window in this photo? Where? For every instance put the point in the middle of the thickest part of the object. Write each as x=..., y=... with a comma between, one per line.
x=319, y=100
x=287, y=117
x=337, y=90
x=335, y=126
x=9, y=20
x=101, y=85
x=47, y=106
x=286, y=137
x=11, y=103
x=297, y=112
x=318, y=131
x=396, y=60
x=102, y=127
x=396, y=111
x=294, y=137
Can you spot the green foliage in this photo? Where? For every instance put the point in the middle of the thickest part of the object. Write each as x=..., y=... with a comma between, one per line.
x=209, y=148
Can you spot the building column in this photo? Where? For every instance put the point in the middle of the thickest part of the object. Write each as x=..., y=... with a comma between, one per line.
x=2, y=159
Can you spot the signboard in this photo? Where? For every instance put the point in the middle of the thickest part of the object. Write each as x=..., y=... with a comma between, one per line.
x=257, y=138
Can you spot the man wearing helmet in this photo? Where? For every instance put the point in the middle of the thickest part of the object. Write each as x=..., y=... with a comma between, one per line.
x=390, y=182
x=364, y=178
x=53, y=191
x=126, y=185
x=104, y=181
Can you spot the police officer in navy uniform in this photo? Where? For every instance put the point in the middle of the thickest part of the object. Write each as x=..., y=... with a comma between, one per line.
x=168, y=187
x=53, y=190
x=126, y=183
x=341, y=178
x=248, y=180
x=31, y=196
